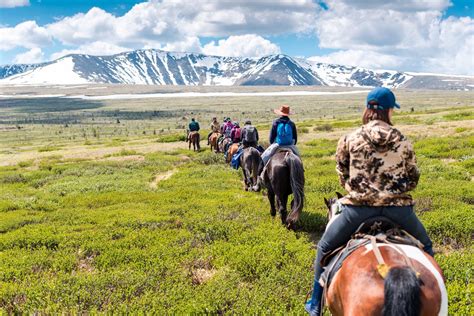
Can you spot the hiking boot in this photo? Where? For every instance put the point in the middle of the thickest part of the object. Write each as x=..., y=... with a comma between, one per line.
x=312, y=310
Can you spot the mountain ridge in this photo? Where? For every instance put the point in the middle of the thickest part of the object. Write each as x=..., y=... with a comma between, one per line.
x=157, y=67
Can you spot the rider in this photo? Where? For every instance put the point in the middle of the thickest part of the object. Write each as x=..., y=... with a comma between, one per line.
x=215, y=128
x=376, y=164
x=282, y=134
x=236, y=133
x=228, y=128
x=193, y=127
x=249, y=135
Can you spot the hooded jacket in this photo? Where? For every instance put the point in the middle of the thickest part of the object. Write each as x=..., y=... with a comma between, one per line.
x=376, y=164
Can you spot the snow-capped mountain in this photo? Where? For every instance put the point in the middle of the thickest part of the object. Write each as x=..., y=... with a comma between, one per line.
x=156, y=67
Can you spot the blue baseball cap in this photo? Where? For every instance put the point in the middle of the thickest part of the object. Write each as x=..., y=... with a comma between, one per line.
x=384, y=98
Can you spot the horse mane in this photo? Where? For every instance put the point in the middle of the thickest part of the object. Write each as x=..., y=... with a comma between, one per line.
x=402, y=293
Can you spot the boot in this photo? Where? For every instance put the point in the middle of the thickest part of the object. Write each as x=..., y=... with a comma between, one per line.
x=313, y=306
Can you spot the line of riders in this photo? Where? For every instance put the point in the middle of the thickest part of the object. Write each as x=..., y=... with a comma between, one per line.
x=376, y=165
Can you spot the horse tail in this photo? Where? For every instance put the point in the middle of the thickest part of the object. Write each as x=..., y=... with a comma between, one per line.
x=402, y=292
x=297, y=186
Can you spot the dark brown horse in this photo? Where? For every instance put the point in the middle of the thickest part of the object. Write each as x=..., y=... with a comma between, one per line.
x=413, y=283
x=213, y=141
x=284, y=175
x=249, y=161
x=194, y=139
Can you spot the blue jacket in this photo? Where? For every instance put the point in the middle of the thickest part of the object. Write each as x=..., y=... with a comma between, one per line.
x=194, y=126
x=282, y=119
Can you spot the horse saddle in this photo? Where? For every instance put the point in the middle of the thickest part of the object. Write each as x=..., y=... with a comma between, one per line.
x=382, y=228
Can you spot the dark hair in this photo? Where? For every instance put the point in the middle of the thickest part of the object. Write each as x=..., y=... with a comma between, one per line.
x=372, y=114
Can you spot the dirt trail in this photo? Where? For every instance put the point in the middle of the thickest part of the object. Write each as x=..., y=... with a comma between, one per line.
x=161, y=177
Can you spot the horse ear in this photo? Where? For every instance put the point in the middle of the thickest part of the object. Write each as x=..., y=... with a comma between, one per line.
x=326, y=202
x=339, y=195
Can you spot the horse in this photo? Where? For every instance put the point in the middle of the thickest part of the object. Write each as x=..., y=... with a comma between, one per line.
x=213, y=141
x=412, y=283
x=249, y=161
x=284, y=175
x=194, y=139
x=222, y=145
x=231, y=151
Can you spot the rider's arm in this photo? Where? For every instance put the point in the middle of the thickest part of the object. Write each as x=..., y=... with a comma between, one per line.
x=295, y=132
x=411, y=168
x=342, y=160
x=256, y=133
x=273, y=132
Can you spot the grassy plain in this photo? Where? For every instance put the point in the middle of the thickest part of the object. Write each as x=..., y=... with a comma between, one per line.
x=102, y=209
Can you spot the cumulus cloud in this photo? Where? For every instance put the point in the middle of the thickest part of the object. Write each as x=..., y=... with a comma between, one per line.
x=94, y=48
x=361, y=58
x=403, y=35
x=176, y=20
x=14, y=3
x=249, y=45
x=400, y=34
x=34, y=55
x=27, y=34
x=189, y=45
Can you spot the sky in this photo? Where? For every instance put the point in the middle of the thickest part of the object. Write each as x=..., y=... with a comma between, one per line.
x=434, y=36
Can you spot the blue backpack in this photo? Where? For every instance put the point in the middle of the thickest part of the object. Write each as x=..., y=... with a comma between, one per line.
x=284, y=134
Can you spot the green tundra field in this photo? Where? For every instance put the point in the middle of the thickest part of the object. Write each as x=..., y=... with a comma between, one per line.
x=104, y=209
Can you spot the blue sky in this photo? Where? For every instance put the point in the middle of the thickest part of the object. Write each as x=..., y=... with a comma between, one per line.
x=336, y=31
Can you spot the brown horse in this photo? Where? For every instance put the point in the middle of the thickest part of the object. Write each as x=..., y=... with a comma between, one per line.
x=249, y=161
x=284, y=175
x=413, y=284
x=223, y=144
x=213, y=141
x=231, y=151
x=194, y=139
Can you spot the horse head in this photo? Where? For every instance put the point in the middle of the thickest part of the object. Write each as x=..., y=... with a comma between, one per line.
x=333, y=205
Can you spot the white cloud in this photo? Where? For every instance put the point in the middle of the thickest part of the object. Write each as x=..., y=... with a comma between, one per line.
x=95, y=48
x=366, y=59
x=34, y=55
x=188, y=45
x=403, y=35
x=249, y=45
x=27, y=34
x=14, y=3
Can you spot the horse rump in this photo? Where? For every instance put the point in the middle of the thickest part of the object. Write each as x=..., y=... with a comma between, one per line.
x=297, y=186
x=402, y=292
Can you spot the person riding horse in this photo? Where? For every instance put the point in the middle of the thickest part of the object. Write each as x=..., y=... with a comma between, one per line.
x=376, y=164
x=283, y=134
x=193, y=127
x=249, y=135
x=215, y=128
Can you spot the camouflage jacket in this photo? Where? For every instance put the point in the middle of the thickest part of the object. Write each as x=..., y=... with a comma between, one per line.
x=376, y=164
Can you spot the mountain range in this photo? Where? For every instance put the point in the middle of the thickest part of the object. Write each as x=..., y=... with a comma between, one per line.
x=157, y=67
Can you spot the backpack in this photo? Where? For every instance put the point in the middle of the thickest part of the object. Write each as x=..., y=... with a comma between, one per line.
x=228, y=129
x=238, y=133
x=250, y=134
x=284, y=134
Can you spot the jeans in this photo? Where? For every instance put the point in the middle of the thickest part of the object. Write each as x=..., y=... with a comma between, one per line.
x=271, y=150
x=340, y=231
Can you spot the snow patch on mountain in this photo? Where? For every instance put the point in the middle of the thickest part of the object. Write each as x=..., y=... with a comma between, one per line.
x=59, y=72
x=156, y=67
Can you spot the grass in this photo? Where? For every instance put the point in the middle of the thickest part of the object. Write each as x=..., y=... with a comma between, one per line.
x=92, y=235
